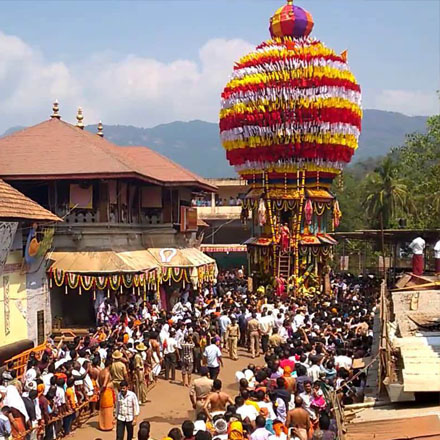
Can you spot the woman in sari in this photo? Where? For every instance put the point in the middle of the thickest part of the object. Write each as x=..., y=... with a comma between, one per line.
x=107, y=398
x=18, y=410
x=285, y=238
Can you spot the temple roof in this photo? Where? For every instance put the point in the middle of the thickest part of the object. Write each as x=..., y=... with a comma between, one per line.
x=55, y=149
x=15, y=205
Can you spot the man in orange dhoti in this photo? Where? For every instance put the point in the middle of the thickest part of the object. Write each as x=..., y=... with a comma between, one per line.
x=107, y=398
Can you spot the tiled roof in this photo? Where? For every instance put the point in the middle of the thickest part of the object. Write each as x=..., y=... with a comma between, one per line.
x=15, y=205
x=57, y=149
x=149, y=162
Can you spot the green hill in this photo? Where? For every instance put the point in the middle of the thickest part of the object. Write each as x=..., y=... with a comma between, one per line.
x=196, y=144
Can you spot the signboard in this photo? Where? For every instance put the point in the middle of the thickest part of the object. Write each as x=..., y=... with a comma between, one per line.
x=81, y=196
x=250, y=284
x=188, y=219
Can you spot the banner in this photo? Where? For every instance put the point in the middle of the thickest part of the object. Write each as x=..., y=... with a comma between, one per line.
x=188, y=219
x=7, y=234
x=81, y=196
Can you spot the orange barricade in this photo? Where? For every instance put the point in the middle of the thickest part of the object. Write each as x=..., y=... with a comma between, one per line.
x=20, y=360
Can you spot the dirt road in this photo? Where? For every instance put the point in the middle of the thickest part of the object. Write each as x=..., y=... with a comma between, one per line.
x=169, y=403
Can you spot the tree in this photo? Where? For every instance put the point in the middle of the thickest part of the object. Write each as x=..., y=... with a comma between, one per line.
x=386, y=195
x=419, y=165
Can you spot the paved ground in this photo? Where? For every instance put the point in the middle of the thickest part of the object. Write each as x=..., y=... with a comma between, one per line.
x=169, y=403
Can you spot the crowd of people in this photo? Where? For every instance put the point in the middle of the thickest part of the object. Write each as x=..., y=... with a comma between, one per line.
x=309, y=346
x=232, y=201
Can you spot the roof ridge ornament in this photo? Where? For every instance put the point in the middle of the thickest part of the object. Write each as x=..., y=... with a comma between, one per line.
x=55, y=110
x=79, y=118
x=100, y=129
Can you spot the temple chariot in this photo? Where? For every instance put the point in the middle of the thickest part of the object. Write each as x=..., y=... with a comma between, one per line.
x=290, y=121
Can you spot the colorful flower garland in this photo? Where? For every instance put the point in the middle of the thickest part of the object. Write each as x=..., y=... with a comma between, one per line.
x=87, y=282
x=129, y=280
x=291, y=104
x=58, y=277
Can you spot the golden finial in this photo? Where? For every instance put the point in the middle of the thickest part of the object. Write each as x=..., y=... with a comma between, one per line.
x=55, y=109
x=290, y=2
x=100, y=129
x=79, y=118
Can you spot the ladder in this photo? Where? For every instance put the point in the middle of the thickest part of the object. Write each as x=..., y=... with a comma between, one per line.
x=284, y=261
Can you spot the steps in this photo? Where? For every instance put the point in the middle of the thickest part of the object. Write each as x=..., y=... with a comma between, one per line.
x=68, y=333
x=284, y=266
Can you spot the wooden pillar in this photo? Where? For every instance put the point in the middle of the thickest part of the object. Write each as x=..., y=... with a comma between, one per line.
x=103, y=202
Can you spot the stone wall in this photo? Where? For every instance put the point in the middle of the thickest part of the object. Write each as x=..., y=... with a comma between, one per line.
x=38, y=300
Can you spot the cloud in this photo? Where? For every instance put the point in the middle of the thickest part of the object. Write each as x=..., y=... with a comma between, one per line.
x=409, y=102
x=136, y=90
x=126, y=90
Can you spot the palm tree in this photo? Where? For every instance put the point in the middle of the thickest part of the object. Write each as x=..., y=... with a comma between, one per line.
x=386, y=194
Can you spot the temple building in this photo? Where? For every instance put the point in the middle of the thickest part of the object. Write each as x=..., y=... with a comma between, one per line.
x=22, y=306
x=128, y=225
x=227, y=229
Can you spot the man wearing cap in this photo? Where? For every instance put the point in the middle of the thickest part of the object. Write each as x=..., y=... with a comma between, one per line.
x=232, y=336
x=140, y=387
x=221, y=429
x=200, y=389
x=118, y=370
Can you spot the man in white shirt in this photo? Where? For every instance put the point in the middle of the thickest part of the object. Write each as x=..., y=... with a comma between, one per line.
x=31, y=373
x=46, y=380
x=245, y=411
x=127, y=411
x=342, y=360
x=307, y=397
x=266, y=326
x=224, y=322
x=261, y=433
x=437, y=257
x=102, y=350
x=417, y=247
x=299, y=319
x=213, y=357
x=314, y=371
x=171, y=355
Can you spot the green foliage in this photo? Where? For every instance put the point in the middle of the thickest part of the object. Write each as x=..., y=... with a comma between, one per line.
x=419, y=167
x=386, y=195
x=403, y=184
x=349, y=196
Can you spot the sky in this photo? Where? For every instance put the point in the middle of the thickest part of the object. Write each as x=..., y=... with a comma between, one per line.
x=149, y=62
